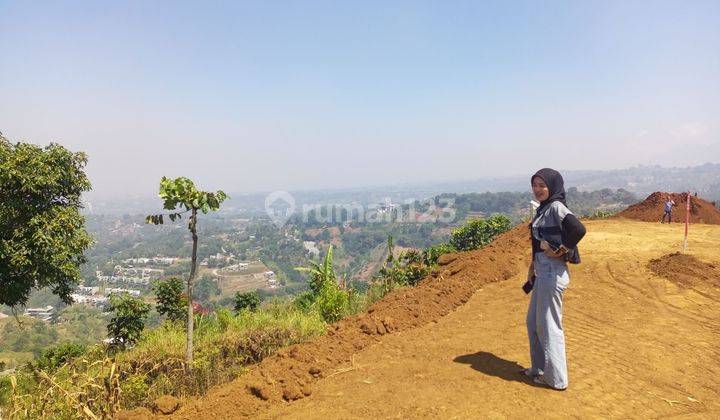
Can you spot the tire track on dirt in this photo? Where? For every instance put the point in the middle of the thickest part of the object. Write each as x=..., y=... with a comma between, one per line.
x=666, y=305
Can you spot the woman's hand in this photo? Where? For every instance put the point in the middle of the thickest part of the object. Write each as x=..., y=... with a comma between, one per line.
x=545, y=246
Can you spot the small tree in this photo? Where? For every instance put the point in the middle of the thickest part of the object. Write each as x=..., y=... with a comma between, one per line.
x=177, y=194
x=479, y=232
x=42, y=233
x=170, y=299
x=250, y=300
x=128, y=320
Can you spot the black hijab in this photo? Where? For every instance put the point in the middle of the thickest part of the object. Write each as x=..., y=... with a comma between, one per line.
x=555, y=184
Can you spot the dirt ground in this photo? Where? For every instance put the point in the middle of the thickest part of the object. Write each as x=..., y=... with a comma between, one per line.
x=639, y=345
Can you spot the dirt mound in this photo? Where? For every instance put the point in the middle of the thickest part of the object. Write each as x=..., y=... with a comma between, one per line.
x=685, y=270
x=291, y=373
x=651, y=210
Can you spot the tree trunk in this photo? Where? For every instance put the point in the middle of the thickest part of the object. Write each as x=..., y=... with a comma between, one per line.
x=190, y=316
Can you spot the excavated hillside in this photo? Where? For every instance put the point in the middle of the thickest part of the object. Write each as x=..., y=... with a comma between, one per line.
x=642, y=329
x=651, y=209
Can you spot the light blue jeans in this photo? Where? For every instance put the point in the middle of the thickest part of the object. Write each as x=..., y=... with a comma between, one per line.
x=544, y=321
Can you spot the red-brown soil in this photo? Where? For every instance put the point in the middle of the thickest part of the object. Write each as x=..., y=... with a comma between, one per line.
x=685, y=269
x=651, y=209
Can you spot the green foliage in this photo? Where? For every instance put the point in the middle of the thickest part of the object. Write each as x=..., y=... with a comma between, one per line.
x=325, y=295
x=304, y=300
x=42, y=233
x=32, y=336
x=331, y=302
x=409, y=267
x=320, y=273
x=135, y=387
x=479, y=232
x=128, y=320
x=249, y=300
x=406, y=270
x=181, y=192
x=602, y=214
x=6, y=390
x=98, y=384
x=81, y=325
x=433, y=253
x=171, y=301
x=206, y=288
x=84, y=387
x=54, y=357
x=76, y=325
x=357, y=242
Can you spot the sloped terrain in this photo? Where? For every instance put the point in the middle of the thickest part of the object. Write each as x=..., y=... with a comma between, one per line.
x=651, y=209
x=639, y=345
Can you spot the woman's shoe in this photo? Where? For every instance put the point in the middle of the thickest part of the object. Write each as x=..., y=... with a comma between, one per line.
x=541, y=381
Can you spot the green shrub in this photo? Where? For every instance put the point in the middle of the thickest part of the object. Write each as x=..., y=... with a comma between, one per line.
x=601, y=214
x=54, y=357
x=134, y=387
x=128, y=319
x=304, y=300
x=433, y=253
x=5, y=390
x=406, y=270
x=477, y=233
x=249, y=300
x=332, y=302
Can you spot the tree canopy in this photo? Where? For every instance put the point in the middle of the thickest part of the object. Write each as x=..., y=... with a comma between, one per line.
x=42, y=233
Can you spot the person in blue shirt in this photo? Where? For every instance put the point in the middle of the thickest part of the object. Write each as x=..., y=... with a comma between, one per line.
x=669, y=203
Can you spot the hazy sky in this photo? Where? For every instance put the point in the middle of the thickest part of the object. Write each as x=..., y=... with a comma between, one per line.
x=267, y=95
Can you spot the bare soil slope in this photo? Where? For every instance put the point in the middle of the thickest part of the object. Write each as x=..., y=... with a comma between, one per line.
x=639, y=345
x=651, y=209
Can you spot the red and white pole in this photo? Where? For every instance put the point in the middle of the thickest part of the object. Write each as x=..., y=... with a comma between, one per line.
x=687, y=220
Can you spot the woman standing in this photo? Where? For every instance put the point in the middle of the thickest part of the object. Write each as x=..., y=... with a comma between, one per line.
x=555, y=235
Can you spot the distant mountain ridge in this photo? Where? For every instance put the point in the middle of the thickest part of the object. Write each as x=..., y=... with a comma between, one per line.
x=641, y=180
x=705, y=179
